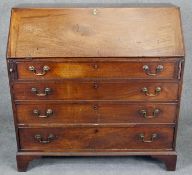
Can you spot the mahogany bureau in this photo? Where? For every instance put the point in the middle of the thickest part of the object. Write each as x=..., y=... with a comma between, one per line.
x=96, y=81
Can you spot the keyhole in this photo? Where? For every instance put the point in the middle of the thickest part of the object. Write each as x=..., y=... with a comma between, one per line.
x=95, y=107
x=95, y=66
x=95, y=85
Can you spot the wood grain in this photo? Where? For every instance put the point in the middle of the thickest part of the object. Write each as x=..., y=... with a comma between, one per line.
x=69, y=139
x=104, y=90
x=95, y=113
x=128, y=69
x=96, y=57
x=112, y=32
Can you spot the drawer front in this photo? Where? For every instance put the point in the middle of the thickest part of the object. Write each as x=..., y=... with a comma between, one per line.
x=95, y=113
x=77, y=90
x=119, y=138
x=62, y=70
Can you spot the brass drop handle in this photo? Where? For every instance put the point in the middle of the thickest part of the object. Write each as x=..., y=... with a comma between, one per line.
x=157, y=92
x=49, y=112
x=153, y=137
x=43, y=72
x=49, y=139
x=143, y=112
x=159, y=69
x=46, y=92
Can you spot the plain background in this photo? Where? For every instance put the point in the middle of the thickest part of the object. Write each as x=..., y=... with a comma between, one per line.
x=99, y=166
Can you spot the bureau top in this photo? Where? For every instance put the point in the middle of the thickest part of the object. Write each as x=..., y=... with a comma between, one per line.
x=95, y=32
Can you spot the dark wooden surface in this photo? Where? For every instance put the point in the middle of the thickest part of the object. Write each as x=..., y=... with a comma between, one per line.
x=96, y=87
x=90, y=138
x=95, y=113
x=128, y=69
x=168, y=157
x=96, y=90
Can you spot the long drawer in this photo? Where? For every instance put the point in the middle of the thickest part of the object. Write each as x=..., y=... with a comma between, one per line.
x=89, y=138
x=92, y=113
x=132, y=69
x=103, y=90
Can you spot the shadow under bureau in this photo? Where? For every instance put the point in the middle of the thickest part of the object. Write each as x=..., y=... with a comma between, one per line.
x=96, y=81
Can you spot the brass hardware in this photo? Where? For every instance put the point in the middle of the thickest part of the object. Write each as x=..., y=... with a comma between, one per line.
x=143, y=112
x=157, y=71
x=94, y=11
x=46, y=92
x=12, y=67
x=11, y=70
x=95, y=107
x=95, y=66
x=45, y=70
x=157, y=92
x=153, y=137
x=49, y=112
x=49, y=139
x=180, y=69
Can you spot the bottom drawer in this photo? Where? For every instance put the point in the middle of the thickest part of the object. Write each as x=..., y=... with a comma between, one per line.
x=100, y=138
